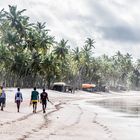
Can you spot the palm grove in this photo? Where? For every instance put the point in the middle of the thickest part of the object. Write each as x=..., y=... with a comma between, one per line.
x=30, y=56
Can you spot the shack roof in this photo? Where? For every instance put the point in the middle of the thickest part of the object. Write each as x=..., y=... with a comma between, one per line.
x=88, y=85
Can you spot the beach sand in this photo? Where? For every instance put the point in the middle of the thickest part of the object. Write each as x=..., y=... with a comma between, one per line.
x=71, y=117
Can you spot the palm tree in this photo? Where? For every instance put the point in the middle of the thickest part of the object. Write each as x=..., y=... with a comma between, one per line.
x=61, y=51
x=76, y=54
x=90, y=43
x=50, y=69
x=14, y=27
x=86, y=59
x=17, y=20
x=44, y=41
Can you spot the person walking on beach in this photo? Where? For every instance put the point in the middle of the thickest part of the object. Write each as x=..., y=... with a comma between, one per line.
x=43, y=99
x=18, y=99
x=2, y=98
x=34, y=99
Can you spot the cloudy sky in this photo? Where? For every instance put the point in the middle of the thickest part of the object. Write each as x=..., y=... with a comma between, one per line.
x=114, y=24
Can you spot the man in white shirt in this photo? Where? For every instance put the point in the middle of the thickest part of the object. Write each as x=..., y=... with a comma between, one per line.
x=18, y=99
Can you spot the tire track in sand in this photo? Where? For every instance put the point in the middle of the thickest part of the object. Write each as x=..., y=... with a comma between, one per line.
x=104, y=127
x=19, y=119
x=44, y=125
x=24, y=117
x=77, y=121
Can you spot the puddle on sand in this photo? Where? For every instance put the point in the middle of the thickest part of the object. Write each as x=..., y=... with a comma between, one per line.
x=127, y=105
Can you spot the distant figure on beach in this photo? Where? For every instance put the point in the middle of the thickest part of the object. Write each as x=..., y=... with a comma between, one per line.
x=2, y=98
x=3, y=84
x=34, y=99
x=43, y=99
x=18, y=98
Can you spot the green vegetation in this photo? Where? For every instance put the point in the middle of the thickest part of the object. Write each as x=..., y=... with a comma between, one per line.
x=30, y=56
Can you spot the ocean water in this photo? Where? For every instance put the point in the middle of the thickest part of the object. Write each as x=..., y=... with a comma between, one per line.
x=130, y=105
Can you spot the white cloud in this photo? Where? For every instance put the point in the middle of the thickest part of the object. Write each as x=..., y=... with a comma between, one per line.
x=114, y=24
